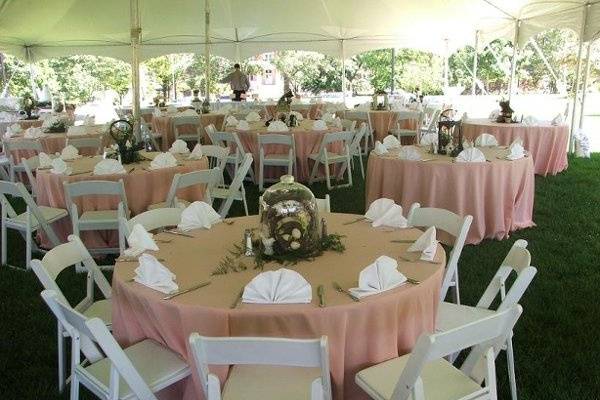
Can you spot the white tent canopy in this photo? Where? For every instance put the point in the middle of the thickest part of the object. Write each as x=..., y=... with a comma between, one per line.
x=36, y=29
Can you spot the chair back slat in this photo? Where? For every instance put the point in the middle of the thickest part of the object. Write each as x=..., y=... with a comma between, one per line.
x=207, y=177
x=236, y=184
x=86, y=143
x=95, y=188
x=155, y=219
x=217, y=156
x=275, y=138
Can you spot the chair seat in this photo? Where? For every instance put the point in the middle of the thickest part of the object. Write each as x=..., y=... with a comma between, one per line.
x=441, y=380
x=4, y=160
x=332, y=157
x=452, y=315
x=223, y=193
x=188, y=137
x=50, y=214
x=404, y=132
x=100, y=309
x=101, y=219
x=266, y=382
x=277, y=157
x=157, y=365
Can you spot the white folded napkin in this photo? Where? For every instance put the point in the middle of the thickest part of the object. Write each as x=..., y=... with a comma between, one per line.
x=60, y=167
x=89, y=120
x=485, y=139
x=283, y=286
x=252, y=116
x=198, y=215
x=328, y=117
x=157, y=112
x=14, y=129
x=277, y=126
x=428, y=139
x=319, y=125
x=392, y=217
x=179, y=147
x=231, y=121
x=380, y=148
x=299, y=116
x=494, y=115
x=76, y=130
x=530, y=120
x=557, y=120
x=33, y=133
x=163, y=160
x=189, y=113
x=411, y=153
x=515, y=150
x=426, y=244
x=467, y=144
x=45, y=160
x=391, y=142
x=171, y=109
x=153, y=274
x=139, y=240
x=378, y=208
x=337, y=123
x=109, y=166
x=196, y=153
x=472, y=154
x=243, y=125
x=378, y=277
x=70, y=152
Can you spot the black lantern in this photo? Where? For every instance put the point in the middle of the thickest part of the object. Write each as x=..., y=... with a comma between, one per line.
x=449, y=131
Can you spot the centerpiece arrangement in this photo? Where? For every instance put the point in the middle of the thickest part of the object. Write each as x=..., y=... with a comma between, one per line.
x=290, y=230
x=380, y=101
x=56, y=123
x=127, y=147
x=28, y=105
x=506, y=112
x=284, y=111
x=450, y=139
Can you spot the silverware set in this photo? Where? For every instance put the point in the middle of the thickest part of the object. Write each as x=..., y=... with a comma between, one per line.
x=321, y=294
x=179, y=233
x=340, y=289
x=184, y=291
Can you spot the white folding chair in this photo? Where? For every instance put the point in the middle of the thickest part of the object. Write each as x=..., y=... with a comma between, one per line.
x=349, y=125
x=151, y=220
x=424, y=374
x=97, y=219
x=230, y=140
x=180, y=122
x=324, y=205
x=288, y=368
x=363, y=116
x=400, y=132
x=206, y=177
x=217, y=156
x=81, y=143
x=49, y=268
x=453, y=224
x=452, y=315
x=485, y=139
x=13, y=145
x=355, y=149
x=326, y=158
x=27, y=223
x=235, y=191
x=430, y=122
x=137, y=372
x=275, y=159
x=29, y=166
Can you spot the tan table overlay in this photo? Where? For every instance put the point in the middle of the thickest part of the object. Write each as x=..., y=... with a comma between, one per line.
x=360, y=334
x=164, y=126
x=498, y=194
x=307, y=141
x=547, y=143
x=143, y=187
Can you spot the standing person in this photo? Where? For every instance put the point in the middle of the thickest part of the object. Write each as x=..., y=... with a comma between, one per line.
x=239, y=82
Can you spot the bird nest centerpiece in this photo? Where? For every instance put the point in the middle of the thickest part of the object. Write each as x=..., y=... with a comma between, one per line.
x=289, y=219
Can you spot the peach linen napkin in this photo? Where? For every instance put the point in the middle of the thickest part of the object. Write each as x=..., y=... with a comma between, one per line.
x=139, y=240
x=153, y=274
x=198, y=215
x=426, y=244
x=283, y=286
x=378, y=277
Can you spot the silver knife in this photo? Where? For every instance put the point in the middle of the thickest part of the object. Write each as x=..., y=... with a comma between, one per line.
x=180, y=292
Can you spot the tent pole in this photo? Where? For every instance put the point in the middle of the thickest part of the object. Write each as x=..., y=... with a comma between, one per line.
x=31, y=72
x=207, y=46
x=586, y=77
x=512, y=84
x=343, y=71
x=475, y=57
x=577, y=77
x=136, y=33
x=237, y=47
x=446, y=66
x=393, y=83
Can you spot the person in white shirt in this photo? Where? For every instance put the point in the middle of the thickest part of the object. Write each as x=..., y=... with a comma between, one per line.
x=239, y=82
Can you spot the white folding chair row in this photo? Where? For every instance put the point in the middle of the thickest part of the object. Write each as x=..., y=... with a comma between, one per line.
x=206, y=177
x=81, y=143
x=229, y=140
x=14, y=145
x=234, y=191
x=93, y=220
x=355, y=148
x=180, y=122
x=111, y=372
x=288, y=368
x=326, y=157
x=450, y=315
x=27, y=223
x=275, y=159
x=151, y=220
x=425, y=374
x=453, y=224
x=49, y=268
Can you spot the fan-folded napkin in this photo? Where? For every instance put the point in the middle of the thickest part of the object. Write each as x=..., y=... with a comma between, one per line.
x=409, y=153
x=485, y=139
x=139, y=240
x=243, y=125
x=60, y=167
x=283, y=286
x=33, y=133
x=385, y=212
x=153, y=274
x=380, y=148
x=391, y=142
x=515, y=150
x=179, y=147
x=252, y=116
x=277, y=126
x=557, y=120
x=196, y=153
x=109, y=166
x=163, y=160
x=426, y=244
x=472, y=154
x=70, y=152
x=231, y=121
x=45, y=160
x=198, y=215
x=378, y=277
x=299, y=116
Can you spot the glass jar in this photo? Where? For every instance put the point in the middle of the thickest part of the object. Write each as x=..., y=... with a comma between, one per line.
x=289, y=219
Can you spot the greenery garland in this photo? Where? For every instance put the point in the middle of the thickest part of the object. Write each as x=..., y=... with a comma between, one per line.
x=233, y=261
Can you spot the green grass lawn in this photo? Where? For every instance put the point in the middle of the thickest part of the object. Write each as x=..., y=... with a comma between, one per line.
x=555, y=344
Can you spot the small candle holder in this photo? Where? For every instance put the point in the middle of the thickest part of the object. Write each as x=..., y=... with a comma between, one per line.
x=249, y=252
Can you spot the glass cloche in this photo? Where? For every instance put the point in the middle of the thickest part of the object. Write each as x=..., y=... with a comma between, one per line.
x=289, y=219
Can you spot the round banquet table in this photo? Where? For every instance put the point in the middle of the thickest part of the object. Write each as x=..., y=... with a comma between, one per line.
x=310, y=111
x=143, y=187
x=164, y=126
x=545, y=142
x=360, y=334
x=498, y=194
x=24, y=123
x=306, y=139
x=382, y=121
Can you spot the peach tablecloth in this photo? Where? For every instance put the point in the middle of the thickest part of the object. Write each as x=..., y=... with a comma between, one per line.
x=307, y=140
x=310, y=111
x=546, y=143
x=498, y=194
x=383, y=121
x=164, y=125
x=360, y=334
x=143, y=187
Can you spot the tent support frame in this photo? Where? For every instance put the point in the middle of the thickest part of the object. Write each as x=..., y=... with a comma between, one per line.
x=343, y=53
x=136, y=34
x=207, y=46
x=512, y=84
x=584, y=19
x=586, y=77
x=475, y=60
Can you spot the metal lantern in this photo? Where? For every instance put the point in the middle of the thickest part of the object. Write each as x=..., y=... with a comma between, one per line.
x=449, y=133
x=380, y=101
